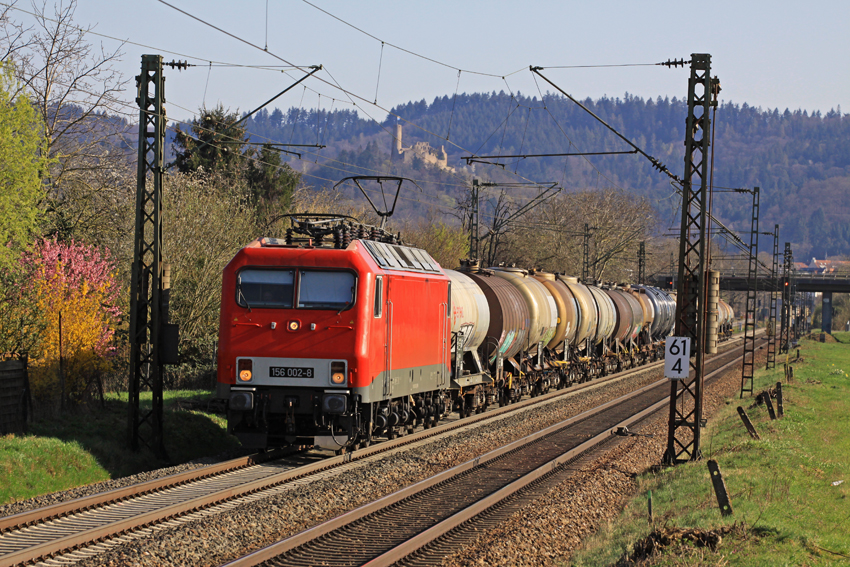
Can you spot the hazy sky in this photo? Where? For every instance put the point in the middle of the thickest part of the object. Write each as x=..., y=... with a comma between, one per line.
x=777, y=54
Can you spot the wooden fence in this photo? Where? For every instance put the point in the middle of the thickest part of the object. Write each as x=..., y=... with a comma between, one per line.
x=14, y=397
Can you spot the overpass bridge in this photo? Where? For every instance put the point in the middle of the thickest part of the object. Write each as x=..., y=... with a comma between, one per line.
x=825, y=284
x=815, y=283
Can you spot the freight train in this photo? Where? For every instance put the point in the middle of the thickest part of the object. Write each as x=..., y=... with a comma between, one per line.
x=334, y=344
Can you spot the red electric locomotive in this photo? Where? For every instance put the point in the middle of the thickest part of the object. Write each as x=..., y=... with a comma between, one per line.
x=326, y=346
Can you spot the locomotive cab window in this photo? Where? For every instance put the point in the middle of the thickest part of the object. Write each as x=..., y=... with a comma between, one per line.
x=265, y=288
x=326, y=290
x=379, y=296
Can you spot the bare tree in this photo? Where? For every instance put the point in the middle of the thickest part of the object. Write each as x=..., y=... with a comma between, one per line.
x=551, y=237
x=500, y=215
x=447, y=243
x=14, y=37
x=76, y=89
x=497, y=228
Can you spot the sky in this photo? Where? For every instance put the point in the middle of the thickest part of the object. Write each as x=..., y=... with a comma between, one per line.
x=777, y=54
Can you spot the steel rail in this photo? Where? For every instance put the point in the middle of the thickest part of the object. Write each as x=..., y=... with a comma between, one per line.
x=30, y=517
x=391, y=556
x=439, y=530
x=26, y=520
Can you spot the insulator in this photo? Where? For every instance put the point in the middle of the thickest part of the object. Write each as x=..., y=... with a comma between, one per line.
x=362, y=232
x=346, y=236
x=374, y=233
x=337, y=237
x=319, y=240
x=289, y=237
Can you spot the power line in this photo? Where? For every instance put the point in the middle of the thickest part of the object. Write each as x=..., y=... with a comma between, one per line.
x=335, y=83
x=409, y=52
x=89, y=31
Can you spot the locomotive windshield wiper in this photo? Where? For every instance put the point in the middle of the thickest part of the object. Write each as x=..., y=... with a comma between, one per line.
x=242, y=295
x=349, y=303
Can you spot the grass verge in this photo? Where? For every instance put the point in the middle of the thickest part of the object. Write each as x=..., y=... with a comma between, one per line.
x=790, y=506
x=90, y=445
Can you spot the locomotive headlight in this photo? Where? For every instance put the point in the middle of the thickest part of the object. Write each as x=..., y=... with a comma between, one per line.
x=338, y=372
x=293, y=325
x=245, y=369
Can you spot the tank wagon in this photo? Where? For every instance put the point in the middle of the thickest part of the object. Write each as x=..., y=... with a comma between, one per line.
x=336, y=344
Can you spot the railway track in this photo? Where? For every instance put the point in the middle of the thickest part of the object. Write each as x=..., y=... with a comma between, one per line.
x=393, y=529
x=107, y=519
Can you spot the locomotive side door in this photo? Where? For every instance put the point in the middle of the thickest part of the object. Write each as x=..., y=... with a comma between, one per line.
x=388, y=342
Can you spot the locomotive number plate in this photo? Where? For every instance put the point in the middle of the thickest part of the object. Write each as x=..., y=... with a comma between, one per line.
x=290, y=372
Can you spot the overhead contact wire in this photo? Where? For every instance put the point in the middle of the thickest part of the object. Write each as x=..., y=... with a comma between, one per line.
x=336, y=85
x=409, y=52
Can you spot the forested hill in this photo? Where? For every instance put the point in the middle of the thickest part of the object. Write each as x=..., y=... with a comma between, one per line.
x=801, y=161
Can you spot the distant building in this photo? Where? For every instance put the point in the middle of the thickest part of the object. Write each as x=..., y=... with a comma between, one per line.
x=824, y=266
x=423, y=151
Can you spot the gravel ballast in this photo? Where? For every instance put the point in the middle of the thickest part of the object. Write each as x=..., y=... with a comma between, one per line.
x=549, y=530
x=299, y=506
x=215, y=538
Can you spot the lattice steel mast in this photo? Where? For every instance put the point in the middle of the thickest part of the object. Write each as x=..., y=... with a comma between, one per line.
x=774, y=292
x=784, y=334
x=146, y=285
x=749, y=359
x=585, y=254
x=474, y=223
x=683, y=439
x=641, y=278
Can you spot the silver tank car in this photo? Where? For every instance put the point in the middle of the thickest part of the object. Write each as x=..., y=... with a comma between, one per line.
x=607, y=314
x=665, y=311
x=470, y=313
x=567, y=310
x=645, y=305
x=542, y=312
x=508, y=329
x=588, y=316
x=627, y=319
